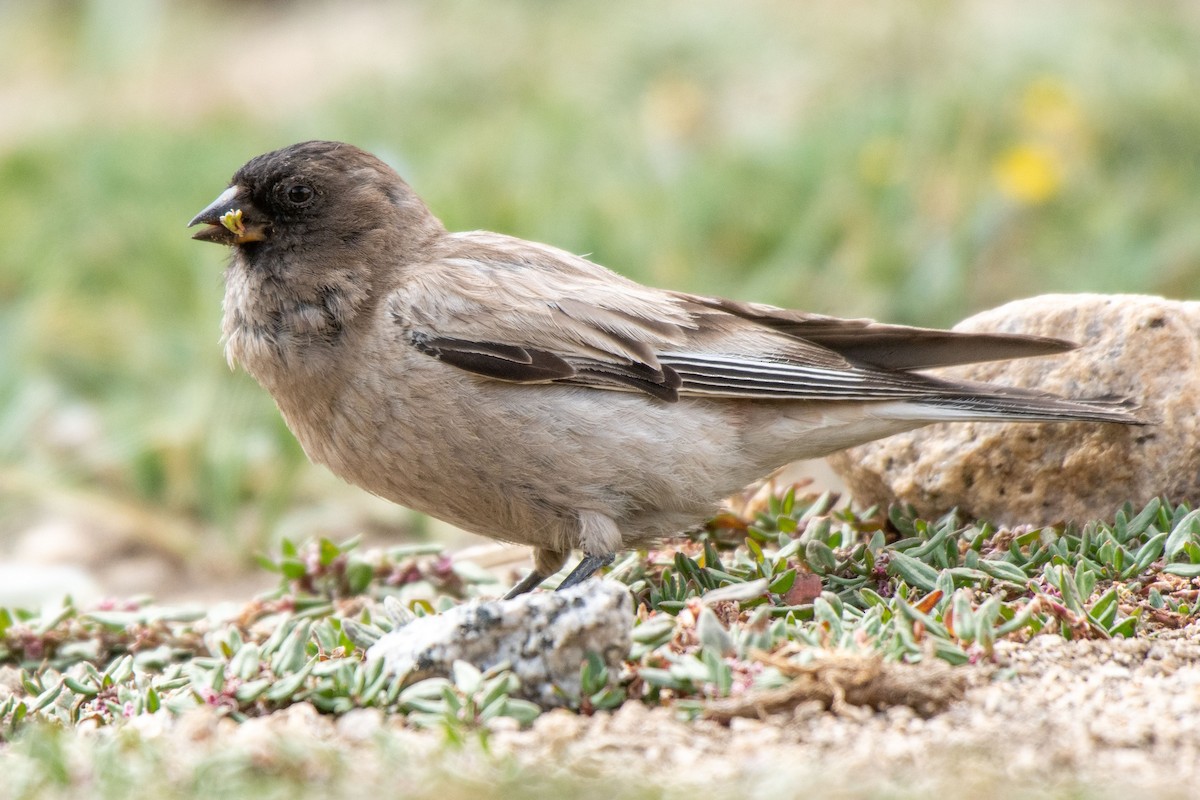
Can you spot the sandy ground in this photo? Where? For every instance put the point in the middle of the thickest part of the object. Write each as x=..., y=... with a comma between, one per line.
x=1119, y=717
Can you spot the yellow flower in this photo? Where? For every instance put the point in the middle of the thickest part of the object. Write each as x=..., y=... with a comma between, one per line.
x=1029, y=173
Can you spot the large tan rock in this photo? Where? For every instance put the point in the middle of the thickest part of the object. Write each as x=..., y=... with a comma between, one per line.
x=1145, y=348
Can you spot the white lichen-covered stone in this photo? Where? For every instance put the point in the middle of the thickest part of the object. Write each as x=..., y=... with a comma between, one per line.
x=544, y=636
x=1144, y=348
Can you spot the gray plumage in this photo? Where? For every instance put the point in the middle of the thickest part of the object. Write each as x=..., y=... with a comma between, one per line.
x=530, y=395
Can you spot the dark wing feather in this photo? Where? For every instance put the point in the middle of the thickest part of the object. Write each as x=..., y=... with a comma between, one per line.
x=514, y=364
x=504, y=362
x=889, y=346
x=663, y=383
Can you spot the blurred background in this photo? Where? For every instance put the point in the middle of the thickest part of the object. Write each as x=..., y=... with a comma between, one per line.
x=912, y=162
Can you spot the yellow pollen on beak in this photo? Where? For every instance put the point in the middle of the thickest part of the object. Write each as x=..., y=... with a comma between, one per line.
x=232, y=221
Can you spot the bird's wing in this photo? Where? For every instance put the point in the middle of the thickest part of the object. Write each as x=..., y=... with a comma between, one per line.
x=525, y=313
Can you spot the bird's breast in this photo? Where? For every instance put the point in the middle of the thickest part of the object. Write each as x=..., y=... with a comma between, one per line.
x=279, y=333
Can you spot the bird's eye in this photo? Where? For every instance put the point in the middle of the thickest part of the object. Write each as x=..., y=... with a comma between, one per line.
x=299, y=194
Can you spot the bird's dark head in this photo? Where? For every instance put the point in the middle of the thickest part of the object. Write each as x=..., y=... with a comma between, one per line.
x=314, y=198
x=319, y=230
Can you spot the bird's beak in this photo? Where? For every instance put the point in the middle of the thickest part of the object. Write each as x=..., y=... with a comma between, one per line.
x=230, y=219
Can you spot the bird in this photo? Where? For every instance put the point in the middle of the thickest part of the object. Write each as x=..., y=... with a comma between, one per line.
x=530, y=395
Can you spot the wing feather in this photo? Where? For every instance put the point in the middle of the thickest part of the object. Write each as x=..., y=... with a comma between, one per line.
x=500, y=361
x=521, y=312
x=898, y=347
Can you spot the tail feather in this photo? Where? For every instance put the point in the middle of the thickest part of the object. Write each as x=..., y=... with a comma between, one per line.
x=1022, y=405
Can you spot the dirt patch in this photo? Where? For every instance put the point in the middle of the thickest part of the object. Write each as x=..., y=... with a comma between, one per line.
x=841, y=681
x=1049, y=713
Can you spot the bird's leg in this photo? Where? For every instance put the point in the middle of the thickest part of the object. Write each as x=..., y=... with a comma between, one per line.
x=527, y=584
x=598, y=533
x=585, y=569
x=546, y=562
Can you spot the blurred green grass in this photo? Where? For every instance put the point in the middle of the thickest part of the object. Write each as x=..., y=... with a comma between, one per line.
x=911, y=162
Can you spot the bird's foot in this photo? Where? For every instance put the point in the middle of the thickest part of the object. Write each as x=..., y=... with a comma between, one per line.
x=585, y=569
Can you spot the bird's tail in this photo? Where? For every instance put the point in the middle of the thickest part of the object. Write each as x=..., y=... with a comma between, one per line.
x=991, y=403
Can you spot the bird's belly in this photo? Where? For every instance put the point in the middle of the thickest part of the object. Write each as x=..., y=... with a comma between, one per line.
x=517, y=462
